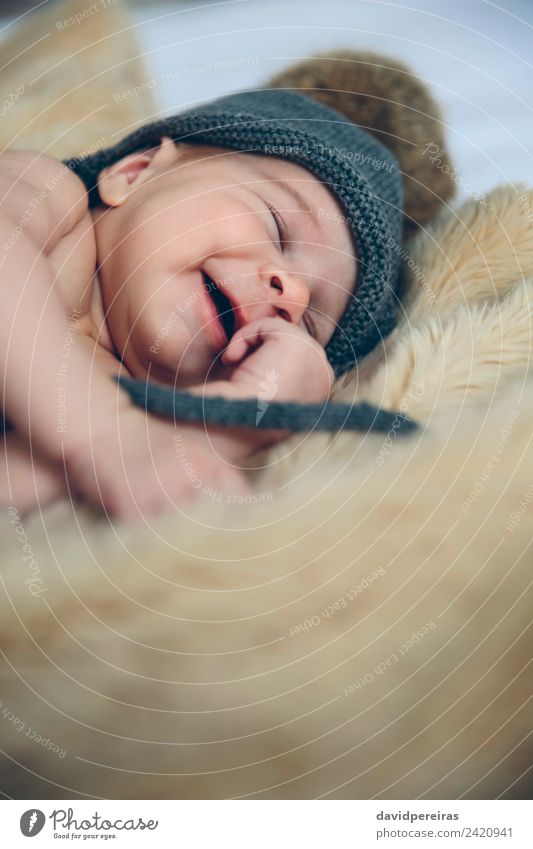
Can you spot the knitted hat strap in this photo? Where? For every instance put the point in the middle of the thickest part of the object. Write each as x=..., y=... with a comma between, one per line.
x=245, y=412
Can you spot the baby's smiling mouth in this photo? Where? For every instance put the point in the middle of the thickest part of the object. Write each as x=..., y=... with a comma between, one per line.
x=222, y=305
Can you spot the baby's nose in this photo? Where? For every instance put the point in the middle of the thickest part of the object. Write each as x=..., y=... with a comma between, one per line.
x=289, y=294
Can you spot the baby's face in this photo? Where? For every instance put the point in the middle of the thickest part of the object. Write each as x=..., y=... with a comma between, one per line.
x=180, y=218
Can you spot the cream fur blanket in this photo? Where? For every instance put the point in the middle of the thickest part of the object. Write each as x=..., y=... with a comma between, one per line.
x=361, y=631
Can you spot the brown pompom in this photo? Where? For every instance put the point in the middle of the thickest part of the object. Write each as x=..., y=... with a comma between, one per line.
x=384, y=97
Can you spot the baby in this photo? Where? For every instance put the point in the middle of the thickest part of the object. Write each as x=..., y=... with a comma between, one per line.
x=211, y=251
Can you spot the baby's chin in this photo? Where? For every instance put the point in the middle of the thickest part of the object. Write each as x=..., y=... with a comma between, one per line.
x=166, y=362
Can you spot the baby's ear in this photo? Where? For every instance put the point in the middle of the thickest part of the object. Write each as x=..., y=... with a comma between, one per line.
x=118, y=181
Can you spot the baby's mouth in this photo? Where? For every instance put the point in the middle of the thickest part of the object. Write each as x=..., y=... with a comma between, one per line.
x=222, y=305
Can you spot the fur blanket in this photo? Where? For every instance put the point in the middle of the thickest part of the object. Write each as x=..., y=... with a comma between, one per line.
x=360, y=630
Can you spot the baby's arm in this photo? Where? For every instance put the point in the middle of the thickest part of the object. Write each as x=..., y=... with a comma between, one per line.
x=28, y=479
x=41, y=202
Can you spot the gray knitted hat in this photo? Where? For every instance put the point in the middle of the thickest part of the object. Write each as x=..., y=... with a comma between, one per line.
x=359, y=170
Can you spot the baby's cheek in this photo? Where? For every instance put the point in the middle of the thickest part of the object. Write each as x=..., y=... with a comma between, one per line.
x=233, y=224
x=155, y=338
x=144, y=335
x=159, y=233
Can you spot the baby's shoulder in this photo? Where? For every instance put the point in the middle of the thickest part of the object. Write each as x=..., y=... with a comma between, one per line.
x=42, y=191
x=73, y=261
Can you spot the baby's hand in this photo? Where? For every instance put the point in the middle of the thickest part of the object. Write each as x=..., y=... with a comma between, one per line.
x=140, y=464
x=277, y=360
x=27, y=479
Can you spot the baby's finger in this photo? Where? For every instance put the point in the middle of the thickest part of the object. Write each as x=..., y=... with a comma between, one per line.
x=249, y=336
x=235, y=350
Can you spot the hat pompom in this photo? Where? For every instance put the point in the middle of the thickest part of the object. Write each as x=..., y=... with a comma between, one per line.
x=385, y=98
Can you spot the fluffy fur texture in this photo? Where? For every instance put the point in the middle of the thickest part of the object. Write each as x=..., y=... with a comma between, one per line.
x=57, y=89
x=266, y=650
